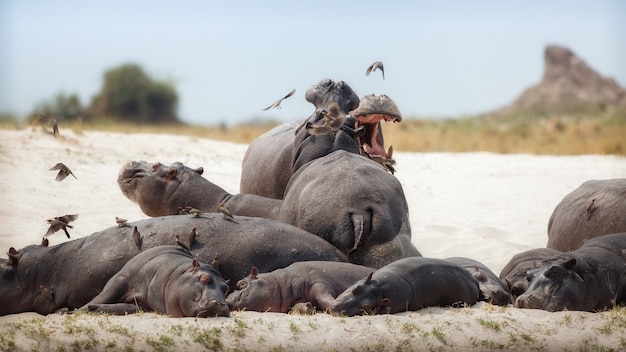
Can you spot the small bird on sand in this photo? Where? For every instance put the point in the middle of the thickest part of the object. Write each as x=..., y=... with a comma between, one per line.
x=60, y=222
x=276, y=104
x=55, y=127
x=373, y=67
x=121, y=222
x=181, y=243
x=64, y=171
x=192, y=237
x=225, y=211
x=137, y=237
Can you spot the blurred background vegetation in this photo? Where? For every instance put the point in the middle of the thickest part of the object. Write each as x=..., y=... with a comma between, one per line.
x=131, y=101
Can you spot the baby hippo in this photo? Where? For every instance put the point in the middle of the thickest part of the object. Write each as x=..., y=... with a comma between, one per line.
x=302, y=286
x=492, y=289
x=168, y=280
x=411, y=283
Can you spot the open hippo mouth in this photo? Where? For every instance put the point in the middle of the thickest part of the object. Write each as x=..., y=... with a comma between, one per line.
x=371, y=111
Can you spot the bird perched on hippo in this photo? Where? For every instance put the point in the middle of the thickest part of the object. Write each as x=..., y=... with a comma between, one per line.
x=596, y=208
x=268, y=162
x=68, y=275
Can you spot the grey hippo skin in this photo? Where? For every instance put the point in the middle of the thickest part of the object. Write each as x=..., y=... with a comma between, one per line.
x=268, y=163
x=492, y=289
x=409, y=284
x=70, y=274
x=514, y=273
x=591, y=278
x=596, y=208
x=167, y=280
x=315, y=282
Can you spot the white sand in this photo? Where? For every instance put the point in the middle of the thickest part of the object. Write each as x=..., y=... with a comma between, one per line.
x=478, y=205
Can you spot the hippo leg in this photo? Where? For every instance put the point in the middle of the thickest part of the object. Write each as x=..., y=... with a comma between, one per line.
x=323, y=294
x=116, y=308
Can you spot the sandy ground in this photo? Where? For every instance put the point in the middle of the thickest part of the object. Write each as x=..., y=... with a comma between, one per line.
x=478, y=205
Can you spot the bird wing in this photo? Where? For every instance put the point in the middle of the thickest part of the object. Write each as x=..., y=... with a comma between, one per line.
x=293, y=91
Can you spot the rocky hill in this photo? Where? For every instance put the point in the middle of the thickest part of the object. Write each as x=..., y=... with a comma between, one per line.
x=568, y=85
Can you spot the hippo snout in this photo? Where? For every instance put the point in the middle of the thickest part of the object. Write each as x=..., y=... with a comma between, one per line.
x=213, y=308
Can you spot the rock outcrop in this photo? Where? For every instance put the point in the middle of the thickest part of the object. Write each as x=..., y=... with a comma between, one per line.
x=568, y=85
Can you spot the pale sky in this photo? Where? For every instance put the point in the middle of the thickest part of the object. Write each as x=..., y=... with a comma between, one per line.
x=230, y=59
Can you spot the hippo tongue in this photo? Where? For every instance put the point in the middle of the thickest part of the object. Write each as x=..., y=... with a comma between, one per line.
x=372, y=140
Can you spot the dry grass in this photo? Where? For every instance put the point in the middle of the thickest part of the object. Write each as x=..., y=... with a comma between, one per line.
x=600, y=133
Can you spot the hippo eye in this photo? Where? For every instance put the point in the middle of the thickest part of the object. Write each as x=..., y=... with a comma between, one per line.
x=482, y=278
x=242, y=284
x=553, y=272
x=205, y=279
x=155, y=167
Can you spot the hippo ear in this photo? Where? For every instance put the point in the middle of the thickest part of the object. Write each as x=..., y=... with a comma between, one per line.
x=570, y=264
x=384, y=302
x=13, y=256
x=171, y=173
x=199, y=170
x=369, y=278
x=254, y=271
x=205, y=278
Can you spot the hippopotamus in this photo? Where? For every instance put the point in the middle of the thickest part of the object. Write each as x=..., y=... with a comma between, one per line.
x=409, y=284
x=166, y=279
x=591, y=278
x=315, y=282
x=514, y=273
x=492, y=289
x=348, y=200
x=267, y=165
x=70, y=274
x=594, y=209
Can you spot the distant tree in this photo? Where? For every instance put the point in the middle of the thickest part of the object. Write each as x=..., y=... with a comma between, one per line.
x=62, y=106
x=129, y=93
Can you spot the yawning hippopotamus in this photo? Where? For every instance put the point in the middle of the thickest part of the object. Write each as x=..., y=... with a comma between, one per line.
x=514, y=273
x=596, y=208
x=278, y=291
x=165, y=279
x=409, y=284
x=591, y=278
x=70, y=274
x=492, y=289
x=268, y=162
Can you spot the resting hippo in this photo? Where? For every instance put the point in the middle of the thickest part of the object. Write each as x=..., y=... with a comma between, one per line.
x=514, y=272
x=492, y=289
x=591, y=278
x=594, y=209
x=316, y=282
x=166, y=279
x=409, y=284
x=70, y=274
x=267, y=164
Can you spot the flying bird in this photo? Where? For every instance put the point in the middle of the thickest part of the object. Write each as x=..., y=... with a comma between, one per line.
x=64, y=171
x=277, y=102
x=373, y=67
x=60, y=222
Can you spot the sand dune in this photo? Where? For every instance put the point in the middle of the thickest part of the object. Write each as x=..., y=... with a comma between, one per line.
x=478, y=205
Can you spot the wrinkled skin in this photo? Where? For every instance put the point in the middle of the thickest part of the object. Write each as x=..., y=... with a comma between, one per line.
x=514, y=273
x=594, y=209
x=368, y=221
x=314, y=282
x=268, y=163
x=406, y=285
x=591, y=278
x=76, y=271
x=492, y=289
x=164, y=279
